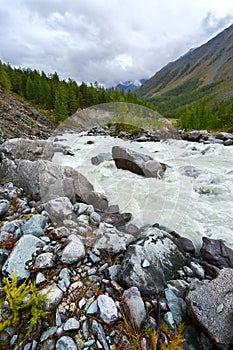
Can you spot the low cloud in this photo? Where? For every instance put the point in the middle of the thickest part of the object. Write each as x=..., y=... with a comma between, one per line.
x=107, y=41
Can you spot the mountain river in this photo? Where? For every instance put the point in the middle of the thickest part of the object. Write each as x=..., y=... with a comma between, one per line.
x=195, y=198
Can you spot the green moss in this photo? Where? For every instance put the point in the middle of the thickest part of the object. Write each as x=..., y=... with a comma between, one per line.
x=25, y=306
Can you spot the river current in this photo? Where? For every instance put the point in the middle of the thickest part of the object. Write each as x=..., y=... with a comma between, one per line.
x=195, y=198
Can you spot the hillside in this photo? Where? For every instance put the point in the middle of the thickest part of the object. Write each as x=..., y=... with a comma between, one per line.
x=18, y=119
x=204, y=72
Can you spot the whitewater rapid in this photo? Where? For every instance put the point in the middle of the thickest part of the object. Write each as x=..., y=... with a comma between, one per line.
x=194, y=206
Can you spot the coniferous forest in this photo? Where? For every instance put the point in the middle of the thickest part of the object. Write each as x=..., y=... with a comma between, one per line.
x=59, y=98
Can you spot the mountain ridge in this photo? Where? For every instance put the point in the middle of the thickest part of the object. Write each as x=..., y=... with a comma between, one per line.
x=202, y=71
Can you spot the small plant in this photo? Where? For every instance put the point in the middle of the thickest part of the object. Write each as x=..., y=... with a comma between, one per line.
x=25, y=306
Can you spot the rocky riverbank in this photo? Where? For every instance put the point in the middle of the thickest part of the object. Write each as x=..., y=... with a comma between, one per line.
x=108, y=284
x=19, y=119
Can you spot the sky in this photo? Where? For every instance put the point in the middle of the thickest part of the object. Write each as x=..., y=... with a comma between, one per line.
x=108, y=41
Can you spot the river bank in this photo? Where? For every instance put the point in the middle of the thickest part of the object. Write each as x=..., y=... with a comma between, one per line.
x=98, y=265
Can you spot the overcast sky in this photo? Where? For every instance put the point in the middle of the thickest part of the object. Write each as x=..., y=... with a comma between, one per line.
x=106, y=40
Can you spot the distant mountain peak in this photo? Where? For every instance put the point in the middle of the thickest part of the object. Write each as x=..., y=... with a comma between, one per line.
x=130, y=85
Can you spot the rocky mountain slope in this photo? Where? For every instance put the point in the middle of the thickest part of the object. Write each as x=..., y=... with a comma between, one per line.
x=203, y=72
x=18, y=119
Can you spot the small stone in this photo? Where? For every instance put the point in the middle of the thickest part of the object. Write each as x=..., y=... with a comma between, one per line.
x=86, y=328
x=89, y=343
x=81, y=303
x=107, y=308
x=35, y=225
x=95, y=219
x=50, y=331
x=93, y=308
x=145, y=263
x=74, y=251
x=4, y=206
x=188, y=271
x=71, y=324
x=198, y=270
x=53, y=297
x=66, y=342
x=64, y=283
x=94, y=258
x=99, y=333
x=113, y=272
x=136, y=307
x=44, y=261
x=40, y=278
x=168, y=318
x=58, y=319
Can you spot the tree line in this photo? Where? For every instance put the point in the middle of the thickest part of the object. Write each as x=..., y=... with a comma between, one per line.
x=198, y=115
x=60, y=98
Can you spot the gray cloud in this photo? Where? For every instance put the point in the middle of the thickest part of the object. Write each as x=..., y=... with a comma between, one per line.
x=104, y=40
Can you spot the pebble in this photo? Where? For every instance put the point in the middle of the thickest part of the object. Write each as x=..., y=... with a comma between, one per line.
x=71, y=324
x=107, y=309
x=66, y=342
x=99, y=333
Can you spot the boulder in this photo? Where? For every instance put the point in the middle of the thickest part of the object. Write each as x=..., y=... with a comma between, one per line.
x=137, y=163
x=20, y=255
x=51, y=181
x=74, y=250
x=215, y=252
x=110, y=241
x=98, y=200
x=27, y=149
x=151, y=262
x=59, y=209
x=210, y=304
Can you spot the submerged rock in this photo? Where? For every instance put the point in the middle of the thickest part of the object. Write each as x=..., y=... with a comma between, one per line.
x=137, y=163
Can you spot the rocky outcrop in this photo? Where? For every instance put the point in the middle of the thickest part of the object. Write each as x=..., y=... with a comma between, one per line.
x=137, y=163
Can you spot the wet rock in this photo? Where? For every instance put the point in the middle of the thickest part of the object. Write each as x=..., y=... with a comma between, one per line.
x=65, y=343
x=100, y=158
x=197, y=270
x=135, y=162
x=107, y=309
x=228, y=142
x=217, y=253
x=111, y=241
x=98, y=200
x=135, y=306
x=210, y=304
x=21, y=253
x=59, y=209
x=164, y=260
x=74, y=250
x=35, y=225
x=99, y=333
x=116, y=219
x=155, y=169
x=95, y=219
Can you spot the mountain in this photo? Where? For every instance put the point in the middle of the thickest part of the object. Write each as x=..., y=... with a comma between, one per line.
x=203, y=72
x=130, y=86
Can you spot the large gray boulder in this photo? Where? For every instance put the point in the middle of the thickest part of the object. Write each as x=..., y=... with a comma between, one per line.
x=27, y=149
x=137, y=163
x=21, y=253
x=151, y=262
x=210, y=304
x=51, y=181
x=110, y=241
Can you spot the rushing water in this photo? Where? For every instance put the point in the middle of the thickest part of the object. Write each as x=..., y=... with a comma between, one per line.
x=194, y=206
